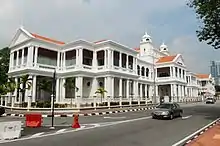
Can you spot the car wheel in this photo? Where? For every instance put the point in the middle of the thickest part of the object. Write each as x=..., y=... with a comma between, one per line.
x=180, y=114
x=171, y=116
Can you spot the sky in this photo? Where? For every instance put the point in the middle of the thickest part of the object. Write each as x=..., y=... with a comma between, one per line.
x=124, y=21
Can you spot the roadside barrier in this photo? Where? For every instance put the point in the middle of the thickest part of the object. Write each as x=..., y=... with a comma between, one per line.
x=76, y=122
x=10, y=130
x=33, y=120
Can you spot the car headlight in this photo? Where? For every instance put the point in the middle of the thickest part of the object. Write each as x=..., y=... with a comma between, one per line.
x=165, y=113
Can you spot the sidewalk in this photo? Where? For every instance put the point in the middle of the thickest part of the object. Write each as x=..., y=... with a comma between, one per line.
x=210, y=138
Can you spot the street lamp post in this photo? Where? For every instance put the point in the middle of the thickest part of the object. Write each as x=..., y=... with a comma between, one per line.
x=154, y=79
x=53, y=98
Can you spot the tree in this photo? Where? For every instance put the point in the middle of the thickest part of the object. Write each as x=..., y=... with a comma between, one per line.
x=70, y=84
x=24, y=84
x=101, y=91
x=208, y=12
x=3, y=89
x=45, y=84
x=4, y=64
x=11, y=86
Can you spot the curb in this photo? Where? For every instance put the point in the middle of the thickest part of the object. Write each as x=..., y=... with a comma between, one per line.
x=200, y=132
x=85, y=114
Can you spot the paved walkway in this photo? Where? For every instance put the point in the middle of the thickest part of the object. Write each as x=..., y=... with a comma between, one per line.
x=210, y=138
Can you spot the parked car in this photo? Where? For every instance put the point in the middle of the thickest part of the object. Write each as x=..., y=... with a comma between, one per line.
x=210, y=100
x=2, y=111
x=167, y=110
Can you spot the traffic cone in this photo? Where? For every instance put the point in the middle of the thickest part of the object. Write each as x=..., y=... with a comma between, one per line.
x=76, y=122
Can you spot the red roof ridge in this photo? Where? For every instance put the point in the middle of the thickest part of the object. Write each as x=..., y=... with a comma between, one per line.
x=47, y=39
x=166, y=59
x=202, y=76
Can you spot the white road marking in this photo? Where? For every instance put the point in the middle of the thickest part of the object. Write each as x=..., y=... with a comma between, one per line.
x=96, y=125
x=191, y=135
x=37, y=134
x=114, y=117
x=186, y=117
x=61, y=130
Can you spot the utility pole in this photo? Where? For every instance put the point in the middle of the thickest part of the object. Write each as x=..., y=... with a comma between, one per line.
x=53, y=98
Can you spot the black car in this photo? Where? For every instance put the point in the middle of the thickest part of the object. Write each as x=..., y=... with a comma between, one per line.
x=2, y=110
x=210, y=100
x=167, y=110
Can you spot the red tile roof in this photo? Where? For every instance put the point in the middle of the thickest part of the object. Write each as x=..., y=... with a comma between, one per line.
x=202, y=76
x=47, y=39
x=166, y=59
x=137, y=49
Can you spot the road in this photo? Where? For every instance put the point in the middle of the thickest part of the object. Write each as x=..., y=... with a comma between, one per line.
x=124, y=129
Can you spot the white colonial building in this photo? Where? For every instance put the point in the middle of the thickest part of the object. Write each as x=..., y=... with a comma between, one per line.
x=127, y=74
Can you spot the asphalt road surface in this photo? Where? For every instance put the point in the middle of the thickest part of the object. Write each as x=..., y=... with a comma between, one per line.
x=125, y=129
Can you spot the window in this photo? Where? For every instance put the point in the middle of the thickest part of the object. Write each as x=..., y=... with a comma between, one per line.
x=138, y=69
x=100, y=58
x=142, y=71
x=116, y=58
x=147, y=72
x=87, y=57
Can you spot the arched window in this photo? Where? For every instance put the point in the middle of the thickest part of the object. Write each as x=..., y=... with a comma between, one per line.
x=138, y=69
x=142, y=70
x=147, y=72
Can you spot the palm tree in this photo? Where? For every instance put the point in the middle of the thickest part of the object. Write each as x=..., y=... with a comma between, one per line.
x=45, y=84
x=25, y=83
x=70, y=84
x=11, y=86
x=101, y=91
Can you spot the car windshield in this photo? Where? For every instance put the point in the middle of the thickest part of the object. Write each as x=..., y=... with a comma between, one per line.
x=167, y=106
x=209, y=98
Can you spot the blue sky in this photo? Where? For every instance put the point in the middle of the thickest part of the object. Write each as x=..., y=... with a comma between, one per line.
x=122, y=20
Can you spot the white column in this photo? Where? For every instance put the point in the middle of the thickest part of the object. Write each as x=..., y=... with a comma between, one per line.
x=58, y=60
x=171, y=91
x=175, y=91
x=111, y=58
x=145, y=87
x=79, y=85
x=134, y=64
x=34, y=86
x=94, y=60
x=35, y=56
x=141, y=91
x=112, y=86
x=57, y=89
x=127, y=61
x=94, y=87
x=120, y=59
x=30, y=56
x=22, y=57
x=120, y=87
x=63, y=90
x=182, y=91
x=127, y=88
x=17, y=55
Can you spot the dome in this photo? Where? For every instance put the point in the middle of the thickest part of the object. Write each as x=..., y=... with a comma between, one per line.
x=146, y=38
x=163, y=47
